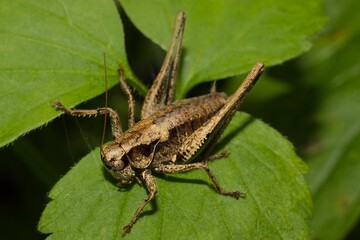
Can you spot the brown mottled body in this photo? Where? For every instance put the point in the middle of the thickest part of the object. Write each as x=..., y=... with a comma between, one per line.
x=170, y=134
x=179, y=120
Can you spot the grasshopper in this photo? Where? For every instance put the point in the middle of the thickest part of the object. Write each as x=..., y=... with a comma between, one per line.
x=170, y=134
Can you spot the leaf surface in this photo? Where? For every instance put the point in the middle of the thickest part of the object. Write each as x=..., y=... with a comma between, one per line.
x=87, y=204
x=226, y=38
x=54, y=50
x=335, y=167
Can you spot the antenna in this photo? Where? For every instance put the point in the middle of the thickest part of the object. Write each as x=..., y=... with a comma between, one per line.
x=106, y=104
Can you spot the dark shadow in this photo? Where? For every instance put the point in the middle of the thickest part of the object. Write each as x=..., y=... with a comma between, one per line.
x=144, y=56
x=355, y=232
x=108, y=177
x=175, y=179
x=170, y=178
x=200, y=89
x=165, y=177
x=292, y=113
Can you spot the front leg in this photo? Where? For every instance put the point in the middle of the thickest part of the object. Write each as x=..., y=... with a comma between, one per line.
x=152, y=188
x=201, y=165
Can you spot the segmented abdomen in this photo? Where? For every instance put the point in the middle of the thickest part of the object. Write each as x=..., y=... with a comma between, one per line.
x=182, y=118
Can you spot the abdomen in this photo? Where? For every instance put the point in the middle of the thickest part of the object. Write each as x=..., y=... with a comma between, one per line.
x=182, y=118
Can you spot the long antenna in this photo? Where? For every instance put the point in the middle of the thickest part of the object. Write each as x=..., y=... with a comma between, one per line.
x=106, y=103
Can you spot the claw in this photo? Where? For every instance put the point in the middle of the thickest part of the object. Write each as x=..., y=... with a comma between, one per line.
x=127, y=229
x=238, y=195
x=58, y=105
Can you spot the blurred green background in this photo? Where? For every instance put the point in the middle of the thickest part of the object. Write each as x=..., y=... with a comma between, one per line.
x=313, y=100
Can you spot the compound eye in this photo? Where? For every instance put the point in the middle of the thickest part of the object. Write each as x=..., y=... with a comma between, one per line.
x=118, y=165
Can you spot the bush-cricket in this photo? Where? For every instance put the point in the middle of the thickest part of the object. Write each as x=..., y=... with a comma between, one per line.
x=170, y=134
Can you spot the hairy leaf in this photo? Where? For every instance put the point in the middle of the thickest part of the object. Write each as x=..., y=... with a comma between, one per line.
x=87, y=204
x=54, y=50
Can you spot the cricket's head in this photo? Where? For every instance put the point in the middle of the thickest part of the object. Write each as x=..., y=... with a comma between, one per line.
x=116, y=162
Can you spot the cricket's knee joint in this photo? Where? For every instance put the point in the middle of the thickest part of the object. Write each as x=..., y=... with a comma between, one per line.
x=205, y=166
x=155, y=192
x=152, y=195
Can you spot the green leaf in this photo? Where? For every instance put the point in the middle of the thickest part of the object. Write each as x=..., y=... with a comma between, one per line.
x=225, y=38
x=87, y=204
x=54, y=50
x=335, y=165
